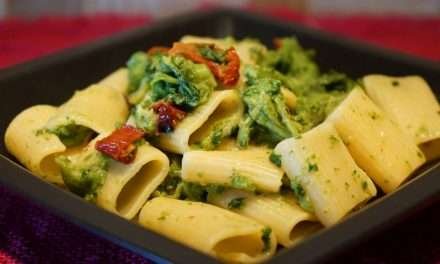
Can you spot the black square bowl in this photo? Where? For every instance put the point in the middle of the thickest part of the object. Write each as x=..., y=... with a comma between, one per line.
x=52, y=79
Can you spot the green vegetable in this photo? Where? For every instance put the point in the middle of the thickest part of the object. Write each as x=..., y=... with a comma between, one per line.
x=244, y=132
x=301, y=196
x=259, y=99
x=215, y=55
x=242, y=183
x=144, y=117
x=172, y=185
x=221, y=129
x=265, y=237
x=275, y=159
x=182, y=82
x=84, y=174
x=193, y=191
x=140, y=68
x=236, y=203
x=72, y=134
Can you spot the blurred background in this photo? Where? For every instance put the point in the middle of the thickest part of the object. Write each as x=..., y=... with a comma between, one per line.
x=161, y=8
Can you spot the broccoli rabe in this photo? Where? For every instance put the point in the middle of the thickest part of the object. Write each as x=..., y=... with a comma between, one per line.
x=301, y=196
x=71, y=134
x=182, y=82
x=266, y=111
x=220, y=130
x=84, y=174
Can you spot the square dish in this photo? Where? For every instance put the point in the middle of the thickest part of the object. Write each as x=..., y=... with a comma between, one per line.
x=43, y=78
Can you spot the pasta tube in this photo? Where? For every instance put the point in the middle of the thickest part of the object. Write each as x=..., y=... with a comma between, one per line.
x=223, y=111
x=289, y=222
x=377, y=144
x=247, y=169
x=35, y=149
x=321, y=169
x=96, y=108
x=117, y=80
x=128, y=186
x=209, y=229
x=411, y=104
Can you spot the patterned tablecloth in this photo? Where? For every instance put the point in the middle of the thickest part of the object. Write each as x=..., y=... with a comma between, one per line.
x=31, y=234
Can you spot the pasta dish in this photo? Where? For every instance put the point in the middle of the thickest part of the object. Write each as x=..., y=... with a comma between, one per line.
x=230, y=147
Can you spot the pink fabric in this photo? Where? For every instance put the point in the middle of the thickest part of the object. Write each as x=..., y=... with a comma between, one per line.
x=30, y=234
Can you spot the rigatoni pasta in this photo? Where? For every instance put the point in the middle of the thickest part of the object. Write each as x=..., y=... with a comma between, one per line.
x=35, y=149
x=128, y=186
x=223, y=111
x=322, y=170
x=98, y=108
x=248, y=169
x=289, y=222
x=212, y=230
x=377, y=144
x=397, y=96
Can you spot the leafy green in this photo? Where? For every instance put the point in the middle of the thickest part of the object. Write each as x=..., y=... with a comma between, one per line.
x=72, y=134
x=275, y=158
x=266, y=109
x=265, y=237
x=140, y=68
x=301, y=196
x=242, y=183
x=244, y=131
x=236, y=203
x=182, y=82
x=220, y=130
x=84, y=174
x=212, y=54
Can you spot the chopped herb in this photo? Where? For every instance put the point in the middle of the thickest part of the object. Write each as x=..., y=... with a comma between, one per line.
x=395, y=83
x=236, y=203
x=242, y=182
x=301, y=196
x=419, y=154
x=333, y=140
x=163, y=215
x=311, y=164
x=265, y=237
x=347, y=185
x=364, y=185
x=200, y=174
x=422, y=131
x=373, y=115
x=275, y=158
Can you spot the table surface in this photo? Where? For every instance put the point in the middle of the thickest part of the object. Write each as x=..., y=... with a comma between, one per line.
x=31, y=234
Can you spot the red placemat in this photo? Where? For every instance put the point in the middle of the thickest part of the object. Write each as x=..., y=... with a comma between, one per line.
x=30, y=234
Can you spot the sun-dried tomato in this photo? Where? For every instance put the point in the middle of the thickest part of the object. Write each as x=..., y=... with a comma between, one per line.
x=277, y=42
x=227, y=73
x=119, y=145
x=158, y=50
x=168, y=116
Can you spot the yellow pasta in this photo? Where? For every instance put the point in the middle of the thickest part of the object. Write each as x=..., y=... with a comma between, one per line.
x=128, y=186
x=289, y=222
x=223, y=105
x=411, y=104
x=34, y=148
x=377, y=144
x=117, y=80
x=97, y=108
x=209, y=229
x=322, y=166
x=251, y=168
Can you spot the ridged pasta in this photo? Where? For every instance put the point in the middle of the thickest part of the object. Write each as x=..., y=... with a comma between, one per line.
x=377, y=144
x=197, y=125
x=321, y=164
x=224, y=167
x=209, y=229
x=289, y=222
